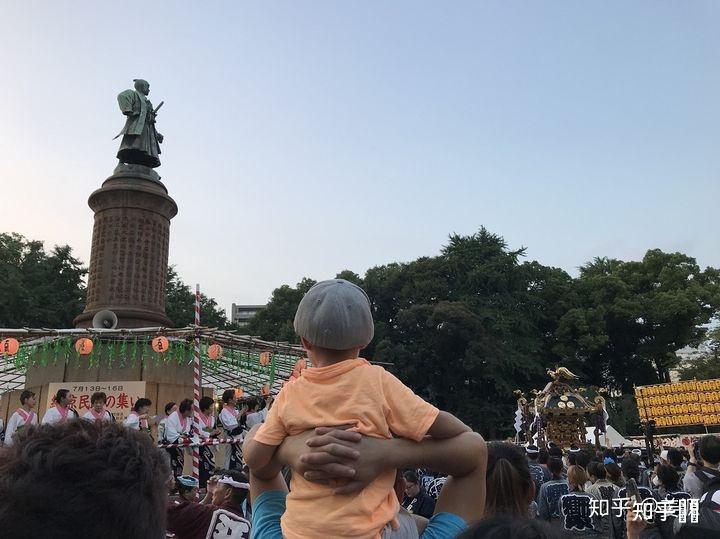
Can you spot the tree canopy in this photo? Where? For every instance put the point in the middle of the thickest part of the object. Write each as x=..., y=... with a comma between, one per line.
x=38, y=289
x=467, y=327
x=180, y=305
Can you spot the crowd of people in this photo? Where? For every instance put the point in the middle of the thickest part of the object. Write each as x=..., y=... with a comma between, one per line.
x=345, y=450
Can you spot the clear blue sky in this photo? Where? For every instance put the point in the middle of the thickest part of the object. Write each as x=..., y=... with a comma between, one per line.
x=303, y=138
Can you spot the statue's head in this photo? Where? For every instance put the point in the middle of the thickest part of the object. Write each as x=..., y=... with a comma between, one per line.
x=142, y=86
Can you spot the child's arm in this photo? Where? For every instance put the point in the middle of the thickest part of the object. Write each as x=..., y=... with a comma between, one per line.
x=447, y=426
x=259, y=456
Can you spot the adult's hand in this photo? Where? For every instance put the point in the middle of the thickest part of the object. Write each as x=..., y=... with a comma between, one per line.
x=335, y=456
x=326, y=453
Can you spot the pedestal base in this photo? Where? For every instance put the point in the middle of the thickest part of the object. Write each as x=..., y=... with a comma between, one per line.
x=129, y=255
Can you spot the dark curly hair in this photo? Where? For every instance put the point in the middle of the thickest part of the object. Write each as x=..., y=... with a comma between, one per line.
x=83, y=479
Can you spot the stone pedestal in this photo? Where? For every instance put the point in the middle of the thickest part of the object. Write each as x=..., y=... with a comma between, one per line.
x=129, y=254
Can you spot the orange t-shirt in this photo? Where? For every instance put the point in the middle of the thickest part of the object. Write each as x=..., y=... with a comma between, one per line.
x=355, y=392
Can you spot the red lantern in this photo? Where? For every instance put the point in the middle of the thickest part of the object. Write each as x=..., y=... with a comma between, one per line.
x=160, y=344
x=265, y=358
x=215, y=352
x=265, y=390
x=10, y=346
x=84, y=346
x=239, y=393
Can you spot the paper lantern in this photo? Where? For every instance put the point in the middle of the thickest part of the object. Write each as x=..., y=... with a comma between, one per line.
x=215, y=351
x=10, y=346
x=264, y=358
x=265, y=390
x=84, y=346
x=239, y=393
x=301, y=364
x=160, y=344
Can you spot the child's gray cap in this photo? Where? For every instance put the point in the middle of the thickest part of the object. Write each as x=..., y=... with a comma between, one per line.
x=335, y=314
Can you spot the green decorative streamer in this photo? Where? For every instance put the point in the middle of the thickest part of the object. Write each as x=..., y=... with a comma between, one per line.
x=273, y=365
x=143, y=351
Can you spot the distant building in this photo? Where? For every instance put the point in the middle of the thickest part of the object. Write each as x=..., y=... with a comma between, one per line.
x=241, y=314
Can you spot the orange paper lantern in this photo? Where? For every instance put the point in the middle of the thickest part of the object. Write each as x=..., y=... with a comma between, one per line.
x=265, y=358
x=239, y=393
x=10, y=346
x=215, y=351
x=160, y=344
x=265, y=390
x=84, y=346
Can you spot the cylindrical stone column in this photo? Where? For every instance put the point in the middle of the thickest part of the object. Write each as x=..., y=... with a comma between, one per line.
x=129, y=253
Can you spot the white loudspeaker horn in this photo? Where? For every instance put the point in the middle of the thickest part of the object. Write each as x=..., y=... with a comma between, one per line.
x=105, y=319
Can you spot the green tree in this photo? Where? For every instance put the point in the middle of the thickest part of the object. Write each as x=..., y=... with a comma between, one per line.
x=180, y=305
x=37, y=289
x=633, y=316
x=707, y=365
x=466, y=328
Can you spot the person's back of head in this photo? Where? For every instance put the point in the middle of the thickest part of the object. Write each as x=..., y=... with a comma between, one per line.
x=710, y=449
x=543, y=456
x=582, y=459
x=674, y=456
x=600, y=471
x=555, y=452
x=555, y=467
x=668, y=477
x=507, y=527
x=510, y=487
x=238, y=494
x=334, y=320
x=614, y=473
x=591, y=469
x=630, y=469
x=577, y=477
x=83, y=479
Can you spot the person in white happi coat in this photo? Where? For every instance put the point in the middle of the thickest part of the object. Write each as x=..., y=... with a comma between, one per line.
x=230, y=420
x=98, y=413
x=23, y=416
x=178, y=426
x=61, y=411
x=208, y=429
x=138, y=418
x=170, y=407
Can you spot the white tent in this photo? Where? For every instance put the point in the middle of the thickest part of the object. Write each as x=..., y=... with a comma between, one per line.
x=614, y=437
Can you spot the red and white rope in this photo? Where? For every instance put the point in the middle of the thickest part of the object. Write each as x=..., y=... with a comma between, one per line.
x=197, y=383
x=187, y=442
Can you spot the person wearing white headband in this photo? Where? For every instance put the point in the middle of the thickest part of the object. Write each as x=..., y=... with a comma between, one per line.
x=220, y=513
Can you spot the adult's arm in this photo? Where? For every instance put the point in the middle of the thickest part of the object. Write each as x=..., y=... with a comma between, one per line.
x=331, y=454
